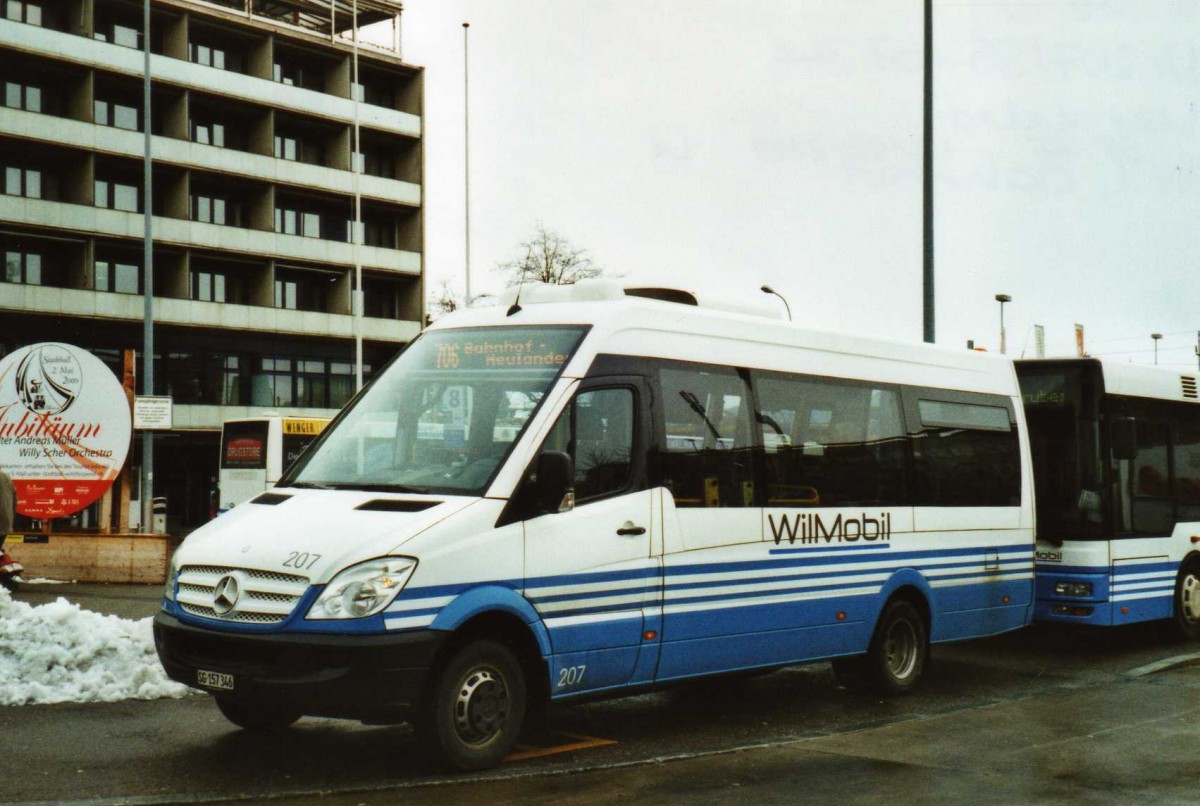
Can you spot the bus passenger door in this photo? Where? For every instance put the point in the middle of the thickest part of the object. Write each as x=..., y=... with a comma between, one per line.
x=592, y=572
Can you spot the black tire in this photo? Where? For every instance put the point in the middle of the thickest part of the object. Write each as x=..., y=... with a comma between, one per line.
x=1187, y=600
x=476, y=707
x=10, y=584
x=255, y=716
x=896, y=657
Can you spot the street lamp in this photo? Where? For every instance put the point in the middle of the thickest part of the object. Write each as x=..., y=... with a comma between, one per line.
x=1003, y=298
x=1156, y=337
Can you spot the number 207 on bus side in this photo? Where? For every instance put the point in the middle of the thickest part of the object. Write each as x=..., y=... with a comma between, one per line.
x=603, y=489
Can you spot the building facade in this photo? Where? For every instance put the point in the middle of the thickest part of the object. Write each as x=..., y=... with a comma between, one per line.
x=255, y=193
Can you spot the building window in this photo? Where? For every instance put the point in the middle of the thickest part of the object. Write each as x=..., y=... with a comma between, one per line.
x=208, y=286
x=312, y=384
x=19, y=181
x=118, y=196
x=299, y=292
x=374, y=94
x=123, y=278
x=293, y=75
x=284, y=381
x=375, y=164
x=209, y=209
x=379, y=233
x=341, y=382
x=208, y=133
x=127, y=36
x=380, y=299
x=272, y=386
x=286, y=295
x=121, y=116
x=297, y=222
x=22, y=11
x=296, y=149
x=207, y=378
x=22, y=96
x=23, y=267
x=287, y=148
x=208, y=56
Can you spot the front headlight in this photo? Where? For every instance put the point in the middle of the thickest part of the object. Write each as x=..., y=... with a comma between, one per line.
x=1073, y=589
x=363, y=589
x=172, y=575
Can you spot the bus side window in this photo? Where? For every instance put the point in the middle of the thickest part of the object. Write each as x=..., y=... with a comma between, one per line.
x=596, y=431
x=1151, y=499
x=965, y=455
x=1186, y=442
x=708, y=458
x=603, y=442
x=844, y=444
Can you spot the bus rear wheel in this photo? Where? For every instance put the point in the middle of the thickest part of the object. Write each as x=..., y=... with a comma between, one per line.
x=477, y=706
x=895, y=658
x=1187, y=599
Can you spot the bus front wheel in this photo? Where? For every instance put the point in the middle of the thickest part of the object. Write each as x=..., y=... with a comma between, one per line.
x=477, y=706
x=1187, y=599
x=895, y=658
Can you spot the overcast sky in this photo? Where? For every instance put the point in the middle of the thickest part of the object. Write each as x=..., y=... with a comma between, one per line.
x=727, y=144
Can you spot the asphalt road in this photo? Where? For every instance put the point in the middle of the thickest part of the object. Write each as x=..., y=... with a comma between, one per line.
x=1046, y=715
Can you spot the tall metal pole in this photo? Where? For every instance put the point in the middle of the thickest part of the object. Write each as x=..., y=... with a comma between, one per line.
x=147, y=278
x=927, y=238
x=358, y=227
x=466, y=166
x=1156, y=337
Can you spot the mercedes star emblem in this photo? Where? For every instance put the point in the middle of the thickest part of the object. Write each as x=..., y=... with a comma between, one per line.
x=225, y=595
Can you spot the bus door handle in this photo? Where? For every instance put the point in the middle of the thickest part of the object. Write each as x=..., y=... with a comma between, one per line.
x=629, y=529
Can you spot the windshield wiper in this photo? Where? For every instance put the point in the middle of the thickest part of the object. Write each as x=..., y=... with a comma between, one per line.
x=385, y=488
x=366, y=487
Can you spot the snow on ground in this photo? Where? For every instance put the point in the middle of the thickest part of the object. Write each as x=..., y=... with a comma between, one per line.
x=59, y=652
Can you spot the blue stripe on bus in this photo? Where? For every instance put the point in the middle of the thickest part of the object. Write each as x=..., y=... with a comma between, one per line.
x=835, y=568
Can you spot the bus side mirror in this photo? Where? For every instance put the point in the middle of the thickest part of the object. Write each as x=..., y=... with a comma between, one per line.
x=1124, y=438
x=555, y=482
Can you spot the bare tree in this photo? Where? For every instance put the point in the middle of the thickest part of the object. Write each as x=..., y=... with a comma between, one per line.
x=441, y=302
x=547, y=257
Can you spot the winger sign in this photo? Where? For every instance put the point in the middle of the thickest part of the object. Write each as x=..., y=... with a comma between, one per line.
x=64, y=428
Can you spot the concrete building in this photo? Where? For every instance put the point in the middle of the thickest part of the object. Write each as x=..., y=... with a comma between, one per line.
x=253, y=118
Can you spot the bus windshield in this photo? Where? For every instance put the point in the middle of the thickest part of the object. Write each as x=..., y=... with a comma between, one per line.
x=445, y=414
x=1062, y=408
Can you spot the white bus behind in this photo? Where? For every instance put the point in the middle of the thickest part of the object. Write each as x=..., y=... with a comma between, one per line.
x=256, y=450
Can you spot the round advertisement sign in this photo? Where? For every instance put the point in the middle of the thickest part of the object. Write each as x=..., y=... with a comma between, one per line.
x=64, y=428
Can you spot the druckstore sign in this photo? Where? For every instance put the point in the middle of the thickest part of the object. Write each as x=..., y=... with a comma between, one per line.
x=64, y=428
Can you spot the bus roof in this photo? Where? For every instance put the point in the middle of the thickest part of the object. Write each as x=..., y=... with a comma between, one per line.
x=725, y=328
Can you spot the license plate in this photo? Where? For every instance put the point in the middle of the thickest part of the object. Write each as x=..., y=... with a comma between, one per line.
x=214, y=680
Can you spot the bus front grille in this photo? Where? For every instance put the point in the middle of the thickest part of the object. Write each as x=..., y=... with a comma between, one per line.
x=241, y=595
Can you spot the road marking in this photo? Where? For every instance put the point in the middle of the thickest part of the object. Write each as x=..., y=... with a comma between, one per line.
x=1162, y=665
x=524, y=751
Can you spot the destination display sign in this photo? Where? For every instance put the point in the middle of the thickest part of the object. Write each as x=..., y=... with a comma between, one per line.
x=64, y=428
x=502, y=349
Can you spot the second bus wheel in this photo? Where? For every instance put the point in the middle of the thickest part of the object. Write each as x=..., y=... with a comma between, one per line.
x=1187, y=599
x=476, y=707
x=895, y=658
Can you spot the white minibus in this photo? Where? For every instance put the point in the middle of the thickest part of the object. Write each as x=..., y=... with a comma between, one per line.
x=256, y=450
x=599, y=489
x=1116, y=452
